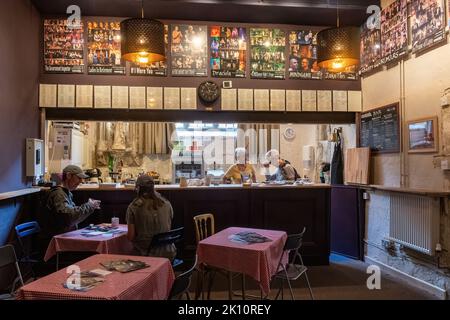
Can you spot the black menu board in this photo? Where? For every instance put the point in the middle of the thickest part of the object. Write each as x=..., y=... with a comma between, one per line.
x=380, y=129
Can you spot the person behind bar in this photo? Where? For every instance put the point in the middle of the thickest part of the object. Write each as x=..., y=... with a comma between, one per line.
x=62, y=213
x=241, y=171
x=149, y=214
x=284, y=172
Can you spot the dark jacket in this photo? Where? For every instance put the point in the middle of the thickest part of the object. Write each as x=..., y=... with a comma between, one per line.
x=62, y=214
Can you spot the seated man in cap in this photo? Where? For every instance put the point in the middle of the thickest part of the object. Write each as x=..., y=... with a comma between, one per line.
x=62, y=213
x=149, y=214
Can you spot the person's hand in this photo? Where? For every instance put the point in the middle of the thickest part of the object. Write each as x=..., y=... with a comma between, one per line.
x=94, y=203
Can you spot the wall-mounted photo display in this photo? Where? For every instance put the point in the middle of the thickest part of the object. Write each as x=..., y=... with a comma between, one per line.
x=104, y=48
x=303, y=55
x=394, y=31
x=189, y=50
x=63, y=47
x=155, y=68
x=423, y=135
x=427, y=23
x=267, y=53
x=370, y=53
x=228, y=51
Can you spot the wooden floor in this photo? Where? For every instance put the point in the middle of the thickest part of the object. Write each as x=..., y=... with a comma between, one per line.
x=343, y=279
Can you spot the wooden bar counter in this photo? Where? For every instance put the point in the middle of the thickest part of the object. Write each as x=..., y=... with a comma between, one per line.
x=287, y=207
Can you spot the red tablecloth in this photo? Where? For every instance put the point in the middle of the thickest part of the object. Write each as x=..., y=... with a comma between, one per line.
x=259, y=260
x=152, y=283
x=105, y=243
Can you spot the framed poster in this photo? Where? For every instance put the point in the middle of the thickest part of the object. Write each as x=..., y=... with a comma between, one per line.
x=171, y=98
x=423, y=135
x=261, y=99
x=294, y=100
x=340, y=100
x=66, y=96
x=277, y=100
x=267, y=53
x=119, y=97
x=188, y=98
x=303, y=55
x=228, y=51
x=427, y=23
x=229, y=99
x=245, y=99
x=154, y=98
x=324, y=101
x=155, y=68
x=137, y=97
x=104, y=48
x=63, y=46
x=394, y=31
x=47, y=95
x=370, y=54
x=102, y=97
x=84, y=96
x=189, y=50
x=379, y=129
x=309, y=100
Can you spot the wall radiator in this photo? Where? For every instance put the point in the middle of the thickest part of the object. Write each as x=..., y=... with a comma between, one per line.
x=414, y=222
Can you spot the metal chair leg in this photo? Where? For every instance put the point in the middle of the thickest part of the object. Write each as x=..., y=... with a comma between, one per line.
x=289, y=282
x=309, y=286
x=243, y=286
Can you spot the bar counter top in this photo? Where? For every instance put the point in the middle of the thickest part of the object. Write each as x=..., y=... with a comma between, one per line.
x=176, y=187
x=416, y=191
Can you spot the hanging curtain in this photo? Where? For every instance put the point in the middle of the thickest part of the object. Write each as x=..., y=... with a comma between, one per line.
x=142, y=138
x=257, y=139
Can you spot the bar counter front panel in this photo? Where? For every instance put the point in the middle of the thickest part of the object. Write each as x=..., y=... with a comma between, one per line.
x=287, y=208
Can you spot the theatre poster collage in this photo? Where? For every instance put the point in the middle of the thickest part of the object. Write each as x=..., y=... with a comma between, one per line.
x=416, y=24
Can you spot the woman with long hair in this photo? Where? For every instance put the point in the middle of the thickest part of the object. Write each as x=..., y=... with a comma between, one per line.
x=147, y=215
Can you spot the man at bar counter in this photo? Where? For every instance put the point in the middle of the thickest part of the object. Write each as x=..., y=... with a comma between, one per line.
x=63, y=214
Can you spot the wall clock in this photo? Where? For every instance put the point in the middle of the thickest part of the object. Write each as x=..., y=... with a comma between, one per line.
x=289, y=133
x=208, y=91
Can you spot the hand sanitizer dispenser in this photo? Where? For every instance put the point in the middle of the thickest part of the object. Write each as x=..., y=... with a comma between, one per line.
x=35, y=157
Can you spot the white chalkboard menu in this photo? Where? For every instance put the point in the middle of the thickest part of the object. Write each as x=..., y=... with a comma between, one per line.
x=380, y=129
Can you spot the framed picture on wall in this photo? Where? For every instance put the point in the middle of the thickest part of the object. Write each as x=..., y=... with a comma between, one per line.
x=423, y=135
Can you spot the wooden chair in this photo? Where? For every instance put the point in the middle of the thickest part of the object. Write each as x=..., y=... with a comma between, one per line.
x=204, y=226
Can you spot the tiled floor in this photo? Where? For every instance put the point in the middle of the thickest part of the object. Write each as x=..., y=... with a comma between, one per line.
x=343, y=279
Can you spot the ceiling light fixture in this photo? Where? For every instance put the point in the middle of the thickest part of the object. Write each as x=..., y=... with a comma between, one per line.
x=338, y=48
x=142, y=40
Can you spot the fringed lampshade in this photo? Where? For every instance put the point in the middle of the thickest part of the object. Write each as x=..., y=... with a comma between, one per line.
x=142, y=40
x=338, y=48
